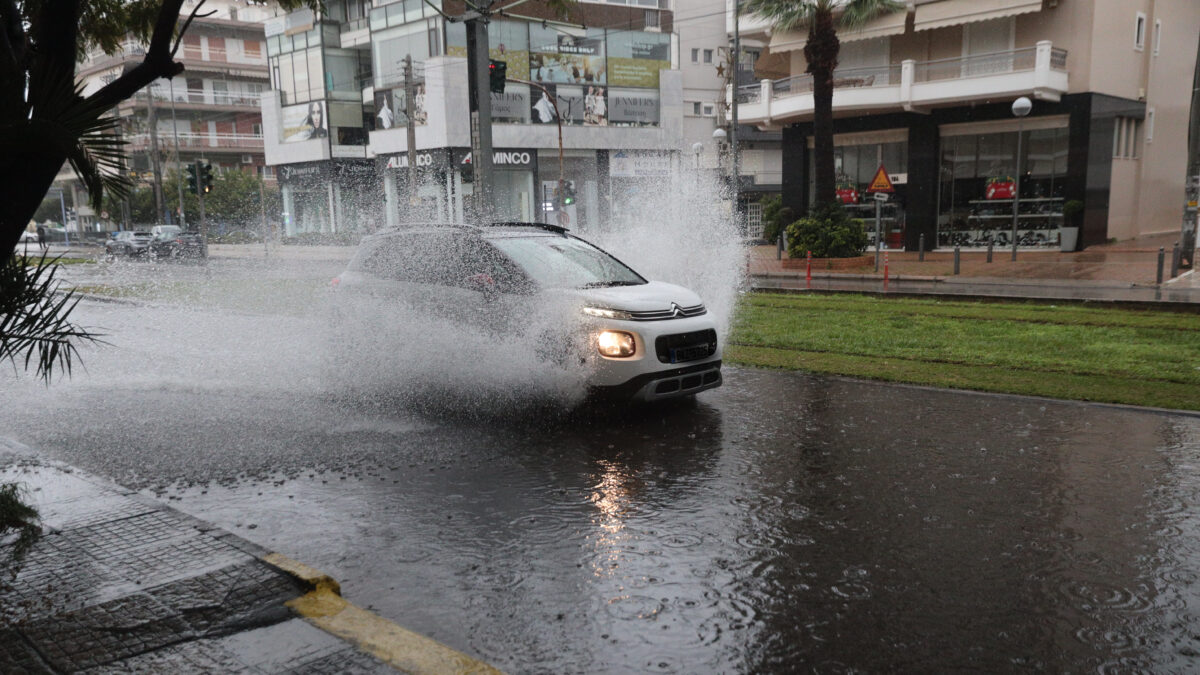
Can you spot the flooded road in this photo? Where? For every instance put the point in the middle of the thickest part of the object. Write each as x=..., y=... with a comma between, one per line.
x=780, y=523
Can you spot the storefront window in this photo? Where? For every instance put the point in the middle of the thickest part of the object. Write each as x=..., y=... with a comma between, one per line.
x=978, y=186
x=855, y=163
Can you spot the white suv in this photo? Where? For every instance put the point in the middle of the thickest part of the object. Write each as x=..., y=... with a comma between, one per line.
x=580, y=307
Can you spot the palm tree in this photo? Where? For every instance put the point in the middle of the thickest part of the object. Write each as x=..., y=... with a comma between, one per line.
x=821, y=52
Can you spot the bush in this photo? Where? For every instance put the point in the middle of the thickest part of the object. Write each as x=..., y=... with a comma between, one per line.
x=828, y=232
x=323, y=239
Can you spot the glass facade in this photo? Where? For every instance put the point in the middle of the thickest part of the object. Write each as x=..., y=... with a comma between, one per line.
x=978, y=185
x=855, y=163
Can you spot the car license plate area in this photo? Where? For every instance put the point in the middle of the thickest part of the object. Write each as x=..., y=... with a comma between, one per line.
x=684, y=347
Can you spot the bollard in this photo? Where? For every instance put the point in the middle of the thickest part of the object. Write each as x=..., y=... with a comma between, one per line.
x=808, y=272
x=885, y=271
x=989, y=258
x=956, y=259
x=921, y=249
x=779, y=248
x=878, y=245
x=1175, y=261
x=1161, y=254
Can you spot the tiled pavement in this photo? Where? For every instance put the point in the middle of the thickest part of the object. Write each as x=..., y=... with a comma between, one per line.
x=119, y=583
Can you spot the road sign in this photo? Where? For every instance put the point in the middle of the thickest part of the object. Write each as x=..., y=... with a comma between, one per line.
x=881, y=182
x=881, y=196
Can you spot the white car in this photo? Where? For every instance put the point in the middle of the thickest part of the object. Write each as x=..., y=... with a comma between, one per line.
x=578, y=306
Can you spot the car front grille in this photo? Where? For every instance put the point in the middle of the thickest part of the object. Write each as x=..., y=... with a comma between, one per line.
x=675, y=312
x=684, y=347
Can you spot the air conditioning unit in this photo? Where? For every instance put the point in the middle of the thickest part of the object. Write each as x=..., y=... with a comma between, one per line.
x=247, y=159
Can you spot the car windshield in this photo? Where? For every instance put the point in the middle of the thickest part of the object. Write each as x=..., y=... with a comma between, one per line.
x=141, y=235
x=566, y=262
x=168, y=232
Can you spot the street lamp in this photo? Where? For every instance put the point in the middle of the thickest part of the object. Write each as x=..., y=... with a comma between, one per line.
x=719, y=136
x=1020, y=108
x=697, y=148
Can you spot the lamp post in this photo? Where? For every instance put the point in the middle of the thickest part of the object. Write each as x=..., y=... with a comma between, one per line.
x=719, y=136
x=1020, y=108
x=697, y=148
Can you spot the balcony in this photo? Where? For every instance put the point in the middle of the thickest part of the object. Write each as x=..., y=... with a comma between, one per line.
x=198, y=99
x=251, y=64
x=914, y=86
x=197, y=142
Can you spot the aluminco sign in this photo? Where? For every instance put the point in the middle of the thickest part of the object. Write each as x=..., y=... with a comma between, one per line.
x=520, y=158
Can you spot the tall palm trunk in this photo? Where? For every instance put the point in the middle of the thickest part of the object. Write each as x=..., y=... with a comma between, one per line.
x=821, y=51
x=27, y=178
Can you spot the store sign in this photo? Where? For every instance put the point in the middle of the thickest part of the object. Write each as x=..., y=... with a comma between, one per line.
x=635, y=165
x=426, y=159
x=632, y=106
x=365, y=169
x=511, y=106
x=300, y=171
x=275, y=26
x=501, y=159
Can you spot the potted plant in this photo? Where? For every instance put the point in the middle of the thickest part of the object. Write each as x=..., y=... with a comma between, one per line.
x=1072, y=219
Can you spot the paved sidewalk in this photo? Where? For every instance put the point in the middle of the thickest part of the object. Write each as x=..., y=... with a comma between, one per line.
x=120, y=583
x=1123, y=272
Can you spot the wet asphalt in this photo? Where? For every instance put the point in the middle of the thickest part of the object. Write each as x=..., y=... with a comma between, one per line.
x=783, y=522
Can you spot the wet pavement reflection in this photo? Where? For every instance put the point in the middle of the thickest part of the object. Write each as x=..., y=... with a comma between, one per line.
x=781, y=523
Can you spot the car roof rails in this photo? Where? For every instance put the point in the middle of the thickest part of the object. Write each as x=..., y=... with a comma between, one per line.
x=557, y=229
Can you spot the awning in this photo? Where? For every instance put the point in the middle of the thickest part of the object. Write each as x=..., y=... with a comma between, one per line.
x=773, y=66
x=880, y=26
x=942, y=13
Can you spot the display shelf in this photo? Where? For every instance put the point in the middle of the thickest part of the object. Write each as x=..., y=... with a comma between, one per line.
x=1009, y=201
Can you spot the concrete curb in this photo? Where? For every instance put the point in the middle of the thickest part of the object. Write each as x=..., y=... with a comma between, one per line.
x=321, y=606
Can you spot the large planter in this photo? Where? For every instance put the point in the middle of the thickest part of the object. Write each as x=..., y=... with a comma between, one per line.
x=1068, y=237
x=829, y=263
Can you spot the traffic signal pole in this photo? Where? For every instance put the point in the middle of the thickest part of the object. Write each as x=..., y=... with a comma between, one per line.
x=481, y=114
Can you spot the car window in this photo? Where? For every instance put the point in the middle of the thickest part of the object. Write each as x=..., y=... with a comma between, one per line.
x=566, y=262
x=419, y=258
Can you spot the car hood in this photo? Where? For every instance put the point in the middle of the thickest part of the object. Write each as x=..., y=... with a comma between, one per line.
x=649, y=297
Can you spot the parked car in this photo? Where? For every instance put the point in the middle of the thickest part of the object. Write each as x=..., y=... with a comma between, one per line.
x=635, y=339
x=128, y=243
x=171, y=241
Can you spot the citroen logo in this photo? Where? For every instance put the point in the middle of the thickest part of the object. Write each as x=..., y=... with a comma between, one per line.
x=675, y=311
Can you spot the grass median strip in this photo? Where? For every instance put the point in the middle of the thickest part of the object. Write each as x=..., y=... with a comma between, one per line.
x=1087, y=353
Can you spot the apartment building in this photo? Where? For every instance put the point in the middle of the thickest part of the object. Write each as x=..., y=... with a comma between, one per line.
x=336, y=125
x=927, y=93
x=211, y=111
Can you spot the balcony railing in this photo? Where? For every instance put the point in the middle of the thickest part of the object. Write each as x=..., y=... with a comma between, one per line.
x=204, y=97
x=131, y=49
x=195, y=141
x=1041, y=70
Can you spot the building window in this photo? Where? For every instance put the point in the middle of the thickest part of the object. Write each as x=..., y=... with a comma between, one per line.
x=652, y=18
x=754, y=224
x=1139, y=32
x=709, y=110
x=696, y=108
x=708, y=54
x=695, y=56
x=1150, y=125
x=1126, y=138
x=1157, y=35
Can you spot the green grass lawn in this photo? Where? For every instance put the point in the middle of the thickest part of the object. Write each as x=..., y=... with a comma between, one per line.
x=1071, y=351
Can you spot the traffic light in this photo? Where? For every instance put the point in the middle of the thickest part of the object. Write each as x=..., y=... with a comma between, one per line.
x=497, y=73
x=568, y=192
x=206, y=177
x=191, y=179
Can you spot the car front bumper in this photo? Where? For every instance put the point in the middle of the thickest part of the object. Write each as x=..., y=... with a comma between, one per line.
x=646, y=376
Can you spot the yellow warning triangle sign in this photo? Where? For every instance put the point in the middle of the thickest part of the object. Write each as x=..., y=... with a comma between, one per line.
x=881, y=182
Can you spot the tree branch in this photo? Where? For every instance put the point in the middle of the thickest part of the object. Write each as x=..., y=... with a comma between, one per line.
x=193, y=15
x=157, y=63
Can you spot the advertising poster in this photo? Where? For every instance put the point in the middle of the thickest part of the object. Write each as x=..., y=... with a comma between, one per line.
x=578, y=105
x=637, y=60
x=390, y=108
x=305, y=122
x=571, y=60
x=512, y=106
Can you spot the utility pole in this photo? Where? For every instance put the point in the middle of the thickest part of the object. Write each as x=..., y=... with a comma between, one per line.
x=410, y=91
x=178, y=161
x=733, y=128
x=1191, y=212
x=481, y=113
x=160, y=208
x=262, y=206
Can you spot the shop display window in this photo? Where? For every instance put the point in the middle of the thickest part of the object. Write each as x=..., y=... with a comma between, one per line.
x=855, y=167
x=978, y=188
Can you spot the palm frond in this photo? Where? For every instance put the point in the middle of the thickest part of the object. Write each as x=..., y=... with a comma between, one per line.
x=856, y=13
x=783, y=15
x=35, y=319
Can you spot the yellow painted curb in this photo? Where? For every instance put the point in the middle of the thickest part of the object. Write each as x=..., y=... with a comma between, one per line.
x=400, y=648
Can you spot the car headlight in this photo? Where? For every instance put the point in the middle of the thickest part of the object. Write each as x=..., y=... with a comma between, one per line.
x=606, y=313
x=616, y=343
